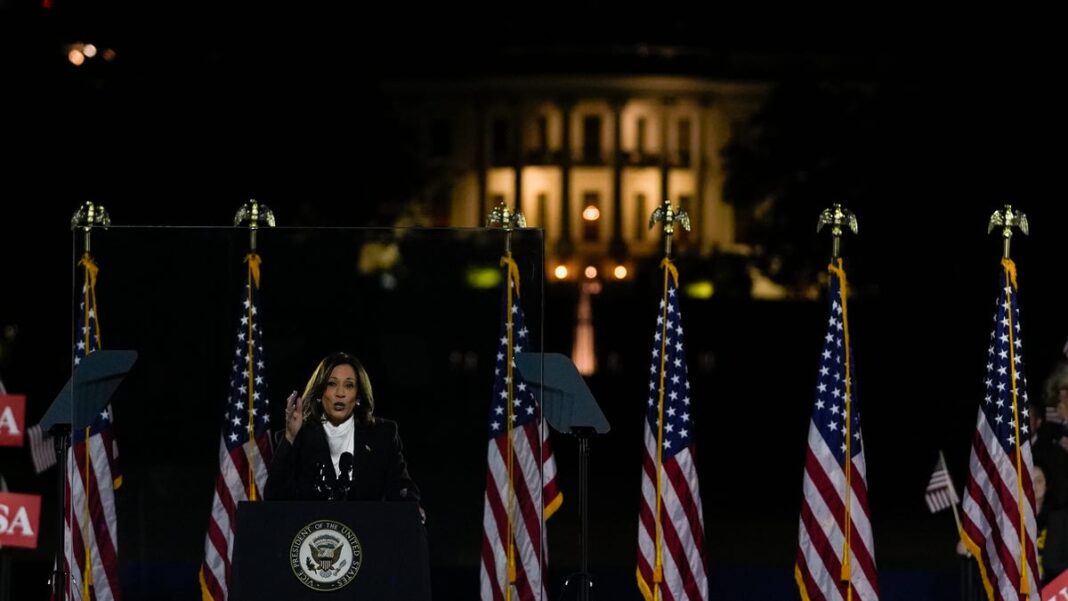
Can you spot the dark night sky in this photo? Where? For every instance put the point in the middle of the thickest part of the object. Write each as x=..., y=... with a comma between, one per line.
x=208, y=106
x=256, y=100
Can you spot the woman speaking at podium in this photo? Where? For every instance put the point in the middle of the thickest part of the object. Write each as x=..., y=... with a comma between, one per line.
x=334, y=447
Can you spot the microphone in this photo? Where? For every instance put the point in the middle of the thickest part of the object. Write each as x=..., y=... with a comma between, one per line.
x=322, y=489
x=344, y=478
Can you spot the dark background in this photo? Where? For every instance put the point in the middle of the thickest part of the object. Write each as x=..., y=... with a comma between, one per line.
x=207, y=106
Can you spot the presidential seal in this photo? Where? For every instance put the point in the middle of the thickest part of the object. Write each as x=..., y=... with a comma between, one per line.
x=325, y=555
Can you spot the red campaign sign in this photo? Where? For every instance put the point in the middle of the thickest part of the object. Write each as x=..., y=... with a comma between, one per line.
x=12, y=419
x=20, y=519
x=1056, y=590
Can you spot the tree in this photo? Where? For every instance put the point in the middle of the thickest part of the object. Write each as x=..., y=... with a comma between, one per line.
x=810, y=145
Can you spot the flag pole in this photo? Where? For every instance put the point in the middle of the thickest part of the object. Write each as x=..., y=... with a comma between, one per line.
x=953, y=503
x=837, y=216
x=504, y=218
x=1008, y=218
x=668, y=216
x=87, y=217
x=253, y=213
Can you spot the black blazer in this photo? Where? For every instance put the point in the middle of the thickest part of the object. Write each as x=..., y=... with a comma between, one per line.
x=1055, y=553
x=379, y=471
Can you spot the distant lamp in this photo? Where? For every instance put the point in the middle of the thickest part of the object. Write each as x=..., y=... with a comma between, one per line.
x=702, y=289
x=109, y=55
x=483, y=278
x=76, y=57
x=620, y=272
x=560, y=272
x=591, y=272
x=591, y=213
x=89, y=51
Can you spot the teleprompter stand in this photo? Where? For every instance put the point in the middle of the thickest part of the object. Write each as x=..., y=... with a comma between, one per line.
x=569, y=408
x=85, y=395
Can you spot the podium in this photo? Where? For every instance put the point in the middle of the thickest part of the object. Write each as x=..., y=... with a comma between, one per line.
x=317, y=550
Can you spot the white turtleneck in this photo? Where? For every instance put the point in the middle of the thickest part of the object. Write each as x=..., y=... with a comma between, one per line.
x=340, y=438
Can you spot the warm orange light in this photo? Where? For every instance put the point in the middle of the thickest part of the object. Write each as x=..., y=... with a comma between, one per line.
x=76, y=57
x=109, y=54
x=89, y=51
x=591, y=213
x=591, y=271
x=560, y=272
x=620, y=272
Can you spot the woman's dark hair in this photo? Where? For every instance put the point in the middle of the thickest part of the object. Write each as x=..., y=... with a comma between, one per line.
x=1057, y=379
x=313, y=392
x=1055, y=485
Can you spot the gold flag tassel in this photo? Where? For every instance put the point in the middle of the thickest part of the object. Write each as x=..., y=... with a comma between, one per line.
x=511, y=279
x=507, y=219
x=841, y=220
x=658, y=568
x=256, y=215
x=669, y=217
x=88, y=216
x=847, y=564
x=253, y=261
x=1010, y=286
x=89, y=278
x=1007, y=219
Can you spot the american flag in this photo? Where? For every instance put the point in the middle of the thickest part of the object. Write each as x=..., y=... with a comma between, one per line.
x=941, y=493
x=999, y=499
x=245, y=447
x=516, y=508
x=671, y=531
x=42, y=448
x=835, y=553
x=91, y=552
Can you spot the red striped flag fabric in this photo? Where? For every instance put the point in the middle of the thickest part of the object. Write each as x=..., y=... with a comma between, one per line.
x=671, y=530
x=245, y=447
x=836, y=553
x=521, y=489
x=999, y=498
x=91, y=552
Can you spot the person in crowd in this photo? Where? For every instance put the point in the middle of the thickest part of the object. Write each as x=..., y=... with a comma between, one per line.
x=335, y=447
x=1052, y=540
x=1048, y=452
x=1055, y=396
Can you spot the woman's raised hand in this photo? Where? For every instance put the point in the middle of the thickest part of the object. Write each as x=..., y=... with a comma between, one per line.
x=294, y=416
